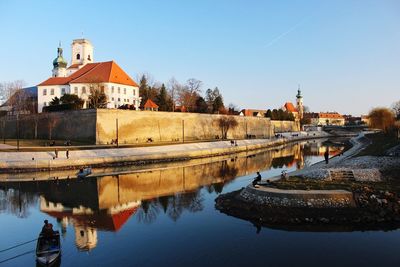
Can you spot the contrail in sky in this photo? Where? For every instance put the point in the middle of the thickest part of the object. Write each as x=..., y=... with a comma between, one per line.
x=280, y=36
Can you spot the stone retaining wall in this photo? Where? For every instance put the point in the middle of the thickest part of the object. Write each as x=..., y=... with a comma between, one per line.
x=141, y=126
x=99, y=126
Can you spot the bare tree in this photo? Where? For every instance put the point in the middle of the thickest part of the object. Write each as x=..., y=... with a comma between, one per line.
x=16, y=98
x=381, y=118
x=225, y=123
x=51, y=123
x=396, y=109
x=97, y=97
x=173, y=88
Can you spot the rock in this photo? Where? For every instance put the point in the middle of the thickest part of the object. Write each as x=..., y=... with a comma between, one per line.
x=324, y=220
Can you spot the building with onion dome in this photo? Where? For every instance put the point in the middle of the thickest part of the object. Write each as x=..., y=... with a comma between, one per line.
x=84, y=75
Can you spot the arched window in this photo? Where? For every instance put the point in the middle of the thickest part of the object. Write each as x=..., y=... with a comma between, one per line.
x=78, y=56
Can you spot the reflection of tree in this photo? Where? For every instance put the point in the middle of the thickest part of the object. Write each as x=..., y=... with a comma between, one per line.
x=148, y=212
x=173, y=206
x=218, y=187
x=228, y=172
x=282, y=161
x=16, y=202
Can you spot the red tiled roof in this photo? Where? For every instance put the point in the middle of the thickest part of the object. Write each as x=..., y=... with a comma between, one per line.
x=290, y=107
x=94, y=73
x=150, y=104
x=330, y=115
x=74, y=66
x=101, y=220
x=252, y=112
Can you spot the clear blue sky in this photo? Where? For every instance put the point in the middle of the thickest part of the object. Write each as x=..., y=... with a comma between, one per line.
x=344, y=54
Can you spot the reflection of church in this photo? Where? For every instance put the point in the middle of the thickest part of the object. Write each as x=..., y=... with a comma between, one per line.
x=86, y=221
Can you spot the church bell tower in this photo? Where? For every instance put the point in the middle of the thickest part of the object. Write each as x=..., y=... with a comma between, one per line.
x=299, y=103
x=82, y=52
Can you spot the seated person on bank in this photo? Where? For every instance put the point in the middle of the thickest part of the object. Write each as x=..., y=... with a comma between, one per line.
x=257, y=179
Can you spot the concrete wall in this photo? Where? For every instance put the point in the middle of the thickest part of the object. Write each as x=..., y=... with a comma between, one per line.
x=79, y=125
x=138, y=126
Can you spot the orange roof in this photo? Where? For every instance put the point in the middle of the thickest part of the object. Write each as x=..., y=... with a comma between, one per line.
x=94, y=73
x=75, y=66
x=290, y=107
x=100, y=220
x=150, y=104
x=252, y=112
x=333, y=115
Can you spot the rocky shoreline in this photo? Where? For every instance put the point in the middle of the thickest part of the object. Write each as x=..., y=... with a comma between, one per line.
x=373, y=209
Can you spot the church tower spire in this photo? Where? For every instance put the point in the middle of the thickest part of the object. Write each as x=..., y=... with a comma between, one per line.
x=59, y=64
x=299, y=103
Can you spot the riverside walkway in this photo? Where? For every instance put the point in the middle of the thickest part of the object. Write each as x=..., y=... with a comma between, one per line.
x=30, y=161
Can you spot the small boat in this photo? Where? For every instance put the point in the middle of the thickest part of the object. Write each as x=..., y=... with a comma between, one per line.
x=83, y=172
x=48, y=249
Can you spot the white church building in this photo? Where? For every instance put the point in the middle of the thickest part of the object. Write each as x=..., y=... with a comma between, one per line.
x=82, y=74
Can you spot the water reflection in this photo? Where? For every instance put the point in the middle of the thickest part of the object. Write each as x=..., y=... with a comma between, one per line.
x=106, y=203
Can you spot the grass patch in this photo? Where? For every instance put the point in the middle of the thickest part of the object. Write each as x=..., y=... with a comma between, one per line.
x=380, y=143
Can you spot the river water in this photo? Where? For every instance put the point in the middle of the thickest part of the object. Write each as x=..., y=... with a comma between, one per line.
x=165, y=216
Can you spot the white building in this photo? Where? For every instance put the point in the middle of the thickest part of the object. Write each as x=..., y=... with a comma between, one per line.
x=83, y=75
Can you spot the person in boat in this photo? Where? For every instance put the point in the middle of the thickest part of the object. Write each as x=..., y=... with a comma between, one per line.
x=257, y=179
x=45, y=226
x=47, y=229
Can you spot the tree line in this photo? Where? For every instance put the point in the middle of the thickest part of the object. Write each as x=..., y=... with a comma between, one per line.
x=177, y=96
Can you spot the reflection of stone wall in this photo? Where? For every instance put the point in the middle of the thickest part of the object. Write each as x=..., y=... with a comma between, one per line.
x=138, y=126
x=153, y=184
x=74, y=125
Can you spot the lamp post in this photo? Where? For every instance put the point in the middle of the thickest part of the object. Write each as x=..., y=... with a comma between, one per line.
x=17, y=131
x=116, y=127
x=183, y=131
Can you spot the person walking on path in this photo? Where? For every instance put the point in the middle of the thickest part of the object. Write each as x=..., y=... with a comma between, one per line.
x=257, y=179
x=67, y=153
x=56, y=152
x=326, y=155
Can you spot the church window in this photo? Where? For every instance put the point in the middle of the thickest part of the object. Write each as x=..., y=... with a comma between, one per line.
x=89, y=58
x=52, y=91
x=83, y=90
x=112, y=98
x=119, y=90
x=112, y=89
x=119, y=99
x=45, y=91
x=125, y=91
x=133, y=92
x=62, y=91
x=76, y=90
x=78, y=56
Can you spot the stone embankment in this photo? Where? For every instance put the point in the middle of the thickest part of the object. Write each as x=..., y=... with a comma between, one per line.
x=297, y=198
x=43, y=161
